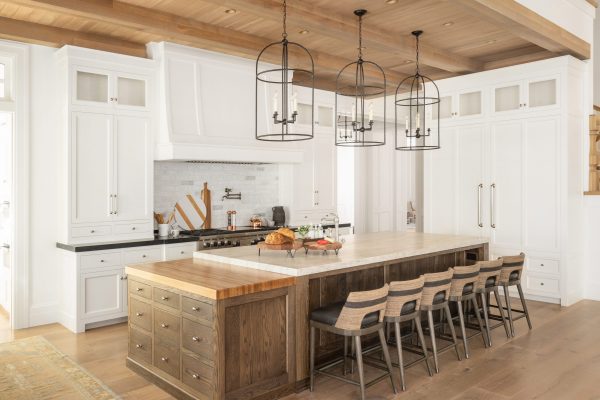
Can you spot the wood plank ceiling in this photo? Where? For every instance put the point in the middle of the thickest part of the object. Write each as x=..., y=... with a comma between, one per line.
x=461, y=36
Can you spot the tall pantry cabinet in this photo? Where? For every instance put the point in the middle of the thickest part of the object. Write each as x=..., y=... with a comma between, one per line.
x=510, y=168
x=107, y=175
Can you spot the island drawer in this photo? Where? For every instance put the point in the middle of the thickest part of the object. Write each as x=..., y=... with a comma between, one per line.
x=196, y=374
x=140, y=314
x=167, y=298
x=140, y=289
x=167, y=359
x=197, y=338
x=140, y=346
x=167, y=326
x=197, y=308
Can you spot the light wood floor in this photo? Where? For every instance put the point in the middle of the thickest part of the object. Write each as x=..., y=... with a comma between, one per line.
x=558, y=359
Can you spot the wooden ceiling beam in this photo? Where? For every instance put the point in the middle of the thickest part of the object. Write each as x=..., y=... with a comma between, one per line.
x=180, y=30
x=55, y=37
x=526, y=24
x=321, y=21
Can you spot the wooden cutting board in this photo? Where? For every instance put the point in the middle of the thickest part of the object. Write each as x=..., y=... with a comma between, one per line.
x=335, y=246
x=205, y=195
x=289, y=247
x=190, y=212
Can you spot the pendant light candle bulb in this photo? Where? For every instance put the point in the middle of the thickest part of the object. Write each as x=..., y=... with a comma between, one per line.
x=275, y=103
x=418, y=120
x=353, y=113
x=295, y=102
x=371, y=112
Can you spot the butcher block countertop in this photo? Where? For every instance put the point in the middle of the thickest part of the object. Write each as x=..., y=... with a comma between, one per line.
x=358, y=250
x=209, y=279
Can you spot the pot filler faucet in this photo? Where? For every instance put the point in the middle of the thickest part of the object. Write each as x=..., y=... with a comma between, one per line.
x=231, y=196
x=332, y=218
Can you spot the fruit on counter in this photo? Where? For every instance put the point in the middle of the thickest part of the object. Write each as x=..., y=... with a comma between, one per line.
x=322, y=241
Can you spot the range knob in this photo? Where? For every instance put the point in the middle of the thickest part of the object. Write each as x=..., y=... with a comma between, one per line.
x=206, y=244
x=215, y=243
x=228, y=242
x=254, y=241
x=221, y=242
x=261, y=239
x=237, y=243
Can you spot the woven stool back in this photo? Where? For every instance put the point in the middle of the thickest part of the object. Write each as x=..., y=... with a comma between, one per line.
x=462, y=277
x=402, y=292
x=511, y=264
x=434, y=283
x=487, y=270
x=360, y=304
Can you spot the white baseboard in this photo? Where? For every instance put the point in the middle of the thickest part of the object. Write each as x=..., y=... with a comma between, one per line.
x=68, y=321
x=592, y=291
x=43, y=314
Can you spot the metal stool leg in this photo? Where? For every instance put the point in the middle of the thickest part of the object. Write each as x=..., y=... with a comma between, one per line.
x=509, y=310
x=449, y=320
x=485, y=318
x=423, y=344
x=400, y=358
x=433, y=344
x=345, y=365
x=386, y=355
x=483, y=333
x=359, y=363
x=312, y=358
x=501, y=309
x=461, y=320
x=524, y=305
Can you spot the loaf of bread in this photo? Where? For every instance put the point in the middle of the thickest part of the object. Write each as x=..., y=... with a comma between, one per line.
x=287, y=233
x=277, y=238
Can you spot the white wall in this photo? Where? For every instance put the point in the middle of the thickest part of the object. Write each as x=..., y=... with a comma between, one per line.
x=45, y=153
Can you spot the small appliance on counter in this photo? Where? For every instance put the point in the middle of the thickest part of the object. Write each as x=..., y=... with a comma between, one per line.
x=231, y=220
x=278, y=216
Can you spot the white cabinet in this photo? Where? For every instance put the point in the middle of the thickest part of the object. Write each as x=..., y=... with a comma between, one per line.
x=107, y=176
x=533, y=94
x=323, y=108
x=109, y=89
x=460, y=105
x=102, y=293
x=515, y=174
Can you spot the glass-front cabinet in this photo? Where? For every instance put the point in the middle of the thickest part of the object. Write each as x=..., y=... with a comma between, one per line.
x=101, y=88
x=532, y=94
x=466, y=104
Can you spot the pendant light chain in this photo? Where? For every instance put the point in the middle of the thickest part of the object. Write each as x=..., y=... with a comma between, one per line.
x=417, y=59
x=360, y=37
x=284, y=20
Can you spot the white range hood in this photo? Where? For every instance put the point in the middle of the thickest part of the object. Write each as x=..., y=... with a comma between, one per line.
x=206, y=107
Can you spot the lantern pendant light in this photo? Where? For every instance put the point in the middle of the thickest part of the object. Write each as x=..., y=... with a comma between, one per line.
x=417, y=107
x=358, y=84
x=277, y=83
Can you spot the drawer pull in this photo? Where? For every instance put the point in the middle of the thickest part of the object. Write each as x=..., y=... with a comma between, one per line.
x=143, y=256
x=196, y=339
x=541, y=265
x=164, y=325
x=165, y=298
x=133, y=229
x=182, y=252
x=139, y=289
x=195, y=376
x=542, y=283
x=164, y=359
x=101, y=261
x=92, y=231
x=139, y=314
x=139, y=346
x=195, y=308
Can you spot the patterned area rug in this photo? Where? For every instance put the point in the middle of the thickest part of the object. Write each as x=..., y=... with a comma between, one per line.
x=32, y=368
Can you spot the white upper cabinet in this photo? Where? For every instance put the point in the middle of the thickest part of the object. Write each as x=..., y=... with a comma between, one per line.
x=109, y=89
x=534, y=94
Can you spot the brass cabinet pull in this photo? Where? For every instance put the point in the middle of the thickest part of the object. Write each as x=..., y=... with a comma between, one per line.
x=195, y=376
x=164, y=359
x=196, y=339
x=493, y=205
x=165, y=298
x=479, y=223
x=139, y=314
x=139, y=346
x=139, y=289
x=195, y=308
x=164, y=325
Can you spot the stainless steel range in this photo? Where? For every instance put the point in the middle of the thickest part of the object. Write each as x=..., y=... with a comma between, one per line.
x=221, y=238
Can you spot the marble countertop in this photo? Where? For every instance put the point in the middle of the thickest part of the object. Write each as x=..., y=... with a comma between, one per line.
x=358, y=250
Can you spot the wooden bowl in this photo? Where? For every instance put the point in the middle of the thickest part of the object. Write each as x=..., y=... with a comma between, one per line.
x=290, y=247
x=313, y=245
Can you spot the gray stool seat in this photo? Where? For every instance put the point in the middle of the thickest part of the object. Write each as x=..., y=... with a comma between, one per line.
x=468, y=289
x=490, y=282
x=329, y=315
x=439, y=298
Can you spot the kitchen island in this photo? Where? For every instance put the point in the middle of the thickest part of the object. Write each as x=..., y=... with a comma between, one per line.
x=236, y=324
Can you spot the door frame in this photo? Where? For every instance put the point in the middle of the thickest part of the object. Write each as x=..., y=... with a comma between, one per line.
x=18, y=104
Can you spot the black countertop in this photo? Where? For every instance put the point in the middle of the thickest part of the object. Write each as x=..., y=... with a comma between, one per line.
x=144, y=242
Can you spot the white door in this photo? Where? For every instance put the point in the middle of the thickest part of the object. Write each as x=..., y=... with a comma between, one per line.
x=324, y=172
x=6, y=214
x=381, y=185
x=132, y=171
x=304, y=189
x=92, y=167
x=102, y=293
x=505, y=188
x=470, y=174
x=541, y=186
x=440, y=193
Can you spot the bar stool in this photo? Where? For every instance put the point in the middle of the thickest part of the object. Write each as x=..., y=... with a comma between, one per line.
x=462, y=289
x=512, y=268
x=360, y=315
x=403, y=305
x=436, y=290
x=489, y=279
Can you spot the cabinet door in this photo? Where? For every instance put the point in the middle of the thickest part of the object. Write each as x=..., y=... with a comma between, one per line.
x=91, y=87
x=133, y=165
x=91, y=162
x=381, y=196
x=440, y=190
x=102, y=293
x=130, y=92
x=324, y=172
x=541, y=186
x=304, y=188
x=470, y=175
x=446, y=108
x=542, y=93
x=325, y=119
x=505, y=208
x=470, y=104
x=507, y=97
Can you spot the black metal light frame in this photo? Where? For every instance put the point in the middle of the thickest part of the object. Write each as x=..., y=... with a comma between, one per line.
x=354, y=133
x=287, y=117
x=417, y=134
